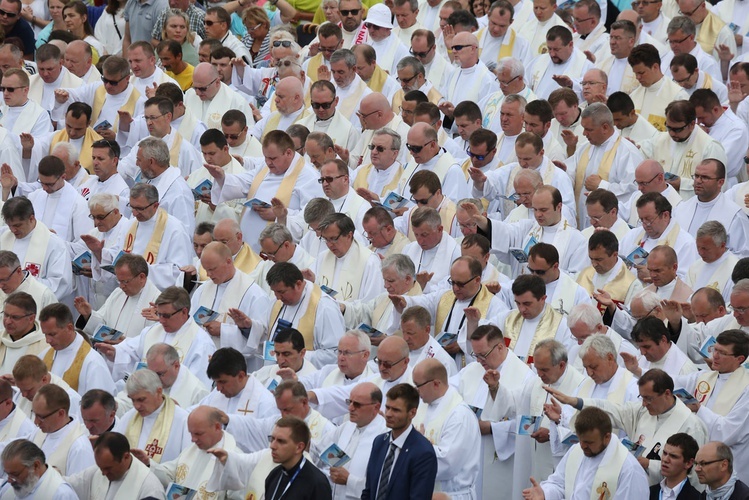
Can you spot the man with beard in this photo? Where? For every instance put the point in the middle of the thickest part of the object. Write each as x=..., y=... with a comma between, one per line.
x=24, y=458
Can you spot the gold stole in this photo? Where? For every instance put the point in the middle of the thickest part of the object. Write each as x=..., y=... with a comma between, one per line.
x=708, y=83
x=606, y=479
x=603, y=168
x=668, y=239
x=275, y=118
x=101, y=95
x=382, y=305
x=306, y=325
x=709, y=30
x=73, y=374
x=433, y=95
x=85, y=155
x=157, y=439
x=361, y=179
x=433, y=428
x=617, y=288
x=314, y=63
x=246, y=261
x=287, y=184
x=174, y=150
x=445, y=305
x=546, y=329
x=729, y=394
x=447, y=214
x=464, y=167
x=348, y=105
x=379, y=77
x=505, y=50
x=152, y=249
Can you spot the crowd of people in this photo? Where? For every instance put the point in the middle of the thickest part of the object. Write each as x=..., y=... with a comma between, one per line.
x=413, y=249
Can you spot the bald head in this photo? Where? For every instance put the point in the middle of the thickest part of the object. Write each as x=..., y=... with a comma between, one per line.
x=394, y=345
x=205, y=70
x=392, y=358
x=218, y=249
x=206, y=429
x=377, y=110
x=289, y=95
x=649, y=177
x=227, y=231
x=628, y=15
x=206, y=78
x=465, y=38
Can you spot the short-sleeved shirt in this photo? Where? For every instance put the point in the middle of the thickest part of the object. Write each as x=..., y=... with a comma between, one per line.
x=141, y=17
x=184, y=79
x=23, y=31
x=195, y=15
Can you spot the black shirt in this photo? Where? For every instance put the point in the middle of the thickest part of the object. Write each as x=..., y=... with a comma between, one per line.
x=306, y=483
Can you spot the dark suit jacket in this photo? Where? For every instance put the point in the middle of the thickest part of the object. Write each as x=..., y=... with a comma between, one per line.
x=740, y=492
x=414, y=471
x=688, y=492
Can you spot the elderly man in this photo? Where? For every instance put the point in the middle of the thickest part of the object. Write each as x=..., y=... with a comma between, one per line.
x=716, y=263
x=721, y=476
x=209, y=97
x=51, y=75
x=412, y=77
x=155, y=424
x=277, y=245
x=585, y=320
x=78, y=58
x=650, y=178
x=376, y=113
x=510, y=75
x=23, y=458
x=40, y=252
x=290, y=108
x=99, y=411
x=350, y=88
x=681, y=38
x=471, y=80
x=390, y=49
x=116, y=469
x=22, y=115
x=383, y=172
x=115, y=94
x=326, y=116
x=18, y=280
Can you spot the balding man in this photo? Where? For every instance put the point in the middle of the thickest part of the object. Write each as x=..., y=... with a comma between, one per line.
x=717, y=455
x=209, y=97
x=290, y=108
x=428, y=155
x=376, y=113
x=277, y=245
x=650, y=178
x=78, y=59
x=596, y=86
x=227, y=288
x=714, y=267
x=472, y=80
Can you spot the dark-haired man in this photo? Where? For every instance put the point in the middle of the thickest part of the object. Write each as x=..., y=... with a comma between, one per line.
x=677, y=461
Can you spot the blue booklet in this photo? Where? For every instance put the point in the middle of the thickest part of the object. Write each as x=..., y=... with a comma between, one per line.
x=447, y=338
x=528, y=424
x=141, y=365
x=202, y=189
x=334, y=456
x=519, y=255
x=178, y=492
x=204, y=315
x=706, y=349
x=110, y=267
x=369, y=330
x=106, y=334
x=273, y=384
x=268, y=351
x=686, y=397
x=513, y=197
x=392, y=201
x=476, y=410
x=328, y=290
x=634, y=448
x=638, y=257
x=83, y=261
x=255, y=202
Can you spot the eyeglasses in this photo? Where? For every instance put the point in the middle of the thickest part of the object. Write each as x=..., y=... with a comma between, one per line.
x=16, y=317
x=350, y=12
x=458, y=48
x=688, y=14
x=505, y=84
x=589, y=84
x=650, y=222
x=385, y=364
x=349, y=353
x=724, y=353
x=322, y=105
x=357, y=404
x=169, y=315
x=328, y=50
x=270, y=255
x=5, y=280
x=484, y=357
x=370, y=236
x=153, y=118
x=107, y=81
x=10, y=90
x=407, y=81
x=204, y=89
x=677, y=130
x=646, y=183
x=5, y=13
x=422, y=201
x=126, y=282
x=468, y=225
x=685, y=79
x=43, y=418
x=459, y=284
x=329, y=180
x=419, y=386
x=371, y=27
x=417, y=149
x=676, y=42
x=740, y=310
x=421, y=55
x=49, y=184
x=598, y=218
x=478, y=157
x=254, y=27
x=282, y=43
x=363, y=116
x=334, y=239
x=539, y=272
x=380, y=149
x=141, y=209
x=100, y=217
x=702, y=464
x=644, y=3
x=232, y=137
x=580, y=21
x=210, y=23
x=704, y=178
x=405, y=112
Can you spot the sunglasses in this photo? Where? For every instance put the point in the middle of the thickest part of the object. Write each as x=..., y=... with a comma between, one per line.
x=380, y=149
x=107, y=81
x=204, y=89
x=371, y=27
x=211, y=23
x=458, y=48
x=478, y=157
x=282, y=43
x=351, y=12
x=321, y=105
x=286, y=64
x=10, y=90
x=5, y=13
x=421, y=54
x=232, y=137
x=417, y=149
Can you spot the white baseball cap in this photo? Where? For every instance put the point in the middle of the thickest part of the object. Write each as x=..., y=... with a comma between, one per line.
x=379, y=15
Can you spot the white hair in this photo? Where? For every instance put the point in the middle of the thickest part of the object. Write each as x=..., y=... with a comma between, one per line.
x=600, y=344
x=68, y=148
x=105, y=201
x=362, y=339
x=143, y=380
x=585, y=313
x=649, y=299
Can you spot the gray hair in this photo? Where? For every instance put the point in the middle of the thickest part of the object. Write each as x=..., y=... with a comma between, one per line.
x=514, y=98
x=279, y=33
x=401, y=264
x=105, y=201
x=741, y=286
x=413, y=63
x=714, y=230
x=723, y=452
x=683, y=23
x=344, y=55
x=600, y=344
x=25, y=451
x=155, y=149
x=473, y=201
x=143, y=380
x=649, y=299
x=277, y=233
x=426, y=215
x=556, y=349
x=317, y=209
x=599, y=113
x=514, y=65
x=322, y=139
x=601, y=74
x=68, y=148
x=585, y=313
x=395, y=136
x=362, y=339
x=166, y=351
x=531, y=176
x=148, y=191
x=9, y=259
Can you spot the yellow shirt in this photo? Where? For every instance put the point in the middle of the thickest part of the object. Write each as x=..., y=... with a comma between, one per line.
x=184, y=79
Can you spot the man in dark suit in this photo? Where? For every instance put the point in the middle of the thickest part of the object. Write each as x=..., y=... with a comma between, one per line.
x=677, y=460
x=714, y=467
x=402, y=464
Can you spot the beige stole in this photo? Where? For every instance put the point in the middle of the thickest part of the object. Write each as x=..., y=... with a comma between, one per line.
x=708, y=83
x=188, y=124
x=546, y=329
x=646, y=426
x=157, y=439
x=312, y=67
x=606, y=479
x=433, y=428
x=363, y=173
x=720, y=276
x=349, y=279
x=348, y=105
x=378, y=79
x=26, y=120
x=195, y=466
x=665, y=239
x=59, y=456
x=432, y=95
x=232, y=297
x=245, y=261
x=131, y=483
x=564, y=295
x=384, y=303
x=616, y=394
x=447, y=214
x=36, y=85
x=306, y=324
x=100, y=97
x=73, y=374
x=617, y=288
x=729, y=393
x=174, y=150
x=604, y=168
x=255, y=489
x=154, y=244
x=287, y=184
x=682, y=166
x=709, y=31
x=34, y=342
x=37, y=249
x=447, y=301
x=182, y=342
x=10, y=431
x=85, y=155
x=275, y=118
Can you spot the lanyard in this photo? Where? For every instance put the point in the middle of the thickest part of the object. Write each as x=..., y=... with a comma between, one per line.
x=273, y=497
x=280, y=313
x=449, y=317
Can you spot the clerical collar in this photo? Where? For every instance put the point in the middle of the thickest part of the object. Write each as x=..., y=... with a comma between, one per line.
x=293, y=469
x=320, y=120
x=114, y=421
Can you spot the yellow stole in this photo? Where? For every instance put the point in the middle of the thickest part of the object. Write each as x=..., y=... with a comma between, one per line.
x=379, y=77
x=73, y=374
x=314, y=63
x=246, y=261
x=617, y=288
x=433, y=95
x=447, y=214
x=101, y=95
x=384, y=303
x=709, y=30
x=275, y=118
x=546, y=329
x=708, y=83
x=668, y=240
x=306, y=325
x=152, y=249
x=159, y=435
x=606, y=479
x=85, y=156
x=287, y=184
x=505, y=50
x=174, y=150
x=728, y=395
x=465, y=166
x=603, y=169
x=361, y=179
x=445, y=305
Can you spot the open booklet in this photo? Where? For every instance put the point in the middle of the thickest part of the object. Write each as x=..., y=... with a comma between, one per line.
x=334, y=456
